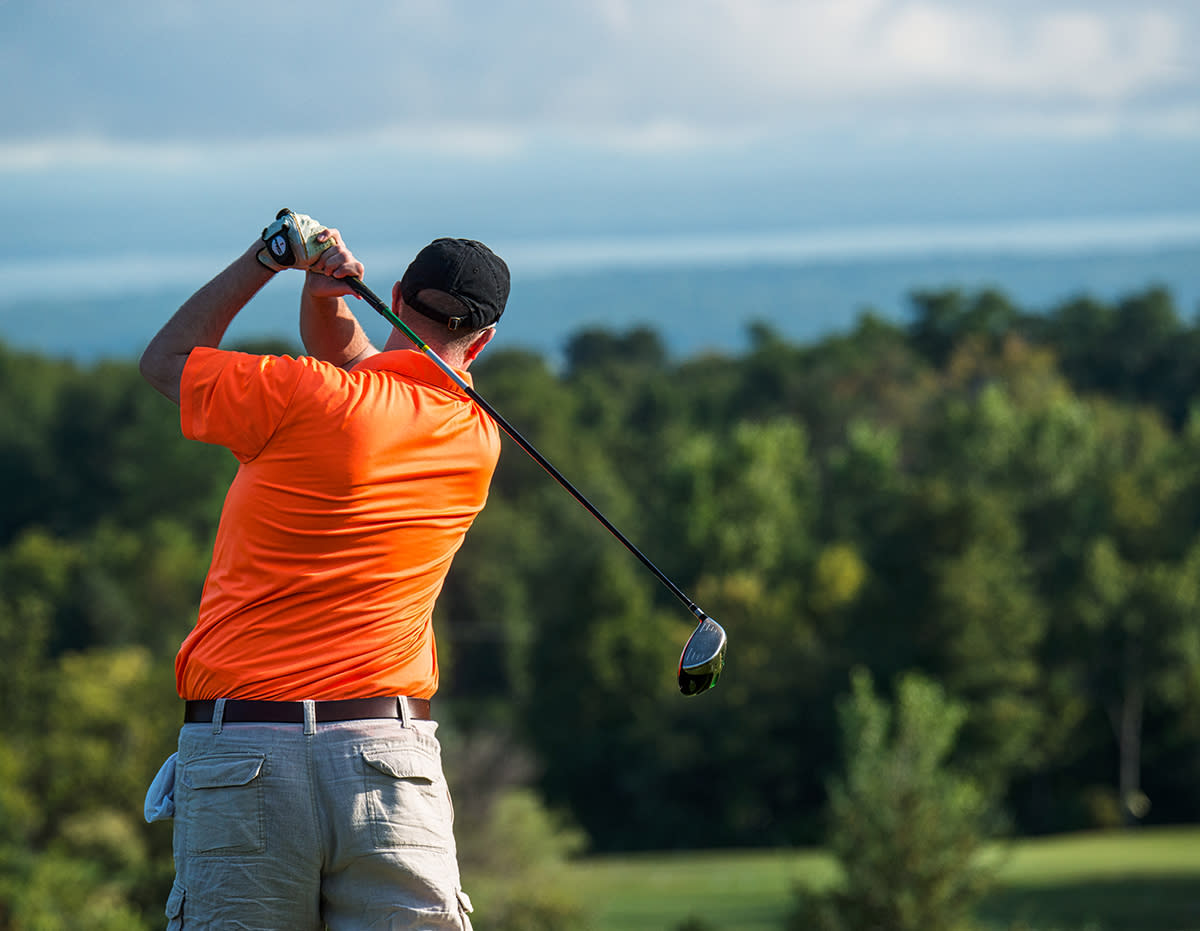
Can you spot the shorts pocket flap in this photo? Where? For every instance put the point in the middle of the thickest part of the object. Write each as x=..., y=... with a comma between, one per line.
x=403, y=764
x=221, y=772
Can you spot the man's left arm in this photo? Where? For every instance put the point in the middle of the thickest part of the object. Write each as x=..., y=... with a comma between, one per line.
x=292, y=241
x=202, y=321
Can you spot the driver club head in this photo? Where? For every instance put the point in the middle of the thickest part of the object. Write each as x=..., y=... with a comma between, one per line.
x=703, y=657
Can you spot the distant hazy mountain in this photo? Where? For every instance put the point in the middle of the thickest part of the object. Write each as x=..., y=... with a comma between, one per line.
x=694, y=308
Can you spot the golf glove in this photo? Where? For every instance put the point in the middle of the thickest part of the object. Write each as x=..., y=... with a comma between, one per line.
x=291, y=242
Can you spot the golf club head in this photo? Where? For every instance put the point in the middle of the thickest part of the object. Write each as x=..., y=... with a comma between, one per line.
x=703, y=657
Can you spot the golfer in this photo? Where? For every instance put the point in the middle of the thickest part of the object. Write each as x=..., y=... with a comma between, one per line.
x=307, y=790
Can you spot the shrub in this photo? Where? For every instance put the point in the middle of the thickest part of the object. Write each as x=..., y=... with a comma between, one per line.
x=905, y=829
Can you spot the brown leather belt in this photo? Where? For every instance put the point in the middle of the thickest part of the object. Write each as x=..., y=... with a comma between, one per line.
x=244, y=711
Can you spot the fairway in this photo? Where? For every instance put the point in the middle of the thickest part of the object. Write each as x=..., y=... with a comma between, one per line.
x=1144, y=880
x=748, y=890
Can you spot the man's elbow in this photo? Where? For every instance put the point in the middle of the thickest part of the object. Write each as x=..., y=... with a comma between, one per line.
x=162, y=372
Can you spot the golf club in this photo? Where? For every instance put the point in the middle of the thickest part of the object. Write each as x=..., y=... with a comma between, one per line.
x=703, y=655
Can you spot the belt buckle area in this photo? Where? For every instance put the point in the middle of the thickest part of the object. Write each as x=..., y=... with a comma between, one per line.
x=248, y=711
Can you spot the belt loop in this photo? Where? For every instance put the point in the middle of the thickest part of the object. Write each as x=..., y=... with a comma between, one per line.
x=310, y=717
x=218, y=719
x=405, y=717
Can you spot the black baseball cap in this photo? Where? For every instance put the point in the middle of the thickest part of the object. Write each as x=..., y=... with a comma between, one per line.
x=469, y=272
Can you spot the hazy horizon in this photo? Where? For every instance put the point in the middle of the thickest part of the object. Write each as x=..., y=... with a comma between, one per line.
x=695, y=308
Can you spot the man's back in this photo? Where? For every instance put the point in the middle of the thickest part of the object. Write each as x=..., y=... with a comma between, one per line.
x=354, y=493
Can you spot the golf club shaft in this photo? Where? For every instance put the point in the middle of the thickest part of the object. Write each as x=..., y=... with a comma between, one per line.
x=371, y=298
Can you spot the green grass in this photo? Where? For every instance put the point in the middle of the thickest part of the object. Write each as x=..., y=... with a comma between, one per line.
x=743, y=890
x=1147, y=880
x=1144, y=880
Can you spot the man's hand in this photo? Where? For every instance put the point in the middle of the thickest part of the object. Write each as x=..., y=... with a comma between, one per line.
x=291, y=242
x=334, y=262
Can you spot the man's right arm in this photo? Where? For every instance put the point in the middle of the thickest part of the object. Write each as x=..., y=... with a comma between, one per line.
x=328, y=327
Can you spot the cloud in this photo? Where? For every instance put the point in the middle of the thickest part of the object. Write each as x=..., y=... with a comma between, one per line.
x=669, y=72
x=865, y=54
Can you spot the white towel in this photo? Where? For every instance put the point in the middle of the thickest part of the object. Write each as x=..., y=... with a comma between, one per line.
x=160, y=797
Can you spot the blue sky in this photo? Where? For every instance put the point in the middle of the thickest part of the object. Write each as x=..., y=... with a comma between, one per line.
x=150, y=137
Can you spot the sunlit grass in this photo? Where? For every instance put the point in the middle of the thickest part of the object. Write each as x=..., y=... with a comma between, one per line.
x=1142, y=880
x=1114, y=881
x=1100, y=855
x=748, y=890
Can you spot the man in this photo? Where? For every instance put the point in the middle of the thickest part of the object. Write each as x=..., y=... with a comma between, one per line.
x=308, y=787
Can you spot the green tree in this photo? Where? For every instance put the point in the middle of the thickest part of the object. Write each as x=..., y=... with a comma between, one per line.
x=30, y=387
x=906, y=829
x=512, y=849
x=741, y=499
x=35, y=573
x=944, y=319
x=81, y=854
x=603, y=666
x=1136, y=647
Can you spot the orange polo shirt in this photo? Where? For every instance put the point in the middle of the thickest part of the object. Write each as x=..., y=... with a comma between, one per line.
x=355, y=489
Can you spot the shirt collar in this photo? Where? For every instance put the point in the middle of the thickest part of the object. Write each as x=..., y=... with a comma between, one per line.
x=415, y=364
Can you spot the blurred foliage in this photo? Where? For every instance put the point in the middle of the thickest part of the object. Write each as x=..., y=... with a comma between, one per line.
x=1002, y=501
x=906, y=829
x=512, y=850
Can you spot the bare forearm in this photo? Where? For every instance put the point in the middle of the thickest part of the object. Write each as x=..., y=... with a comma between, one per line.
x=202, y=321
x=330, y=330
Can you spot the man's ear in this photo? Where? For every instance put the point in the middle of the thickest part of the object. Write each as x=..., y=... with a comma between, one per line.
x=396, y=298
x=482, y=338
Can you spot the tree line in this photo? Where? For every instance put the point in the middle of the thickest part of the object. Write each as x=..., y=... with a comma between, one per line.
x=1003, y=501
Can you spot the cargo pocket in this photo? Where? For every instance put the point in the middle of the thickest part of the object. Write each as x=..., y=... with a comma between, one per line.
x=175, y=907
x=221, y=804
x=407, y=801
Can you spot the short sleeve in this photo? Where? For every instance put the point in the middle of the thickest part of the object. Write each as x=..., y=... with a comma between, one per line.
x=235, y=399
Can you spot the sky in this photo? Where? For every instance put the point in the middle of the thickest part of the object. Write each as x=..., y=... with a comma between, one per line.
x=143, y=139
